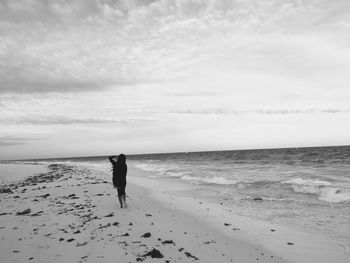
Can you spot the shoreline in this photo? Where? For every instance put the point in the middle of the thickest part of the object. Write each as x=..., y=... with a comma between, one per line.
x=285, y=241
x=76, y=218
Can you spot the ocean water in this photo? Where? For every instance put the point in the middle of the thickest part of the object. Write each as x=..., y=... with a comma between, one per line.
x=307, y=188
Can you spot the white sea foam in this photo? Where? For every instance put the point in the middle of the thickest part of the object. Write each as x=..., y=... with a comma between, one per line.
x=326, y=194
x=334, y=195
x=307, y=182
x=325, y=191
x=160, y=170
x=169, y=170
x=151, y=167
x=209, y=180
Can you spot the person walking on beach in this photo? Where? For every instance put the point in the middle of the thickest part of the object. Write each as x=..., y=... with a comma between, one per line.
x=119, y=177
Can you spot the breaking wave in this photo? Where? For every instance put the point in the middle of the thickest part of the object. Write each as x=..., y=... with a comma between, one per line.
x=324, y=190
x=160, y=170
x=209, y=180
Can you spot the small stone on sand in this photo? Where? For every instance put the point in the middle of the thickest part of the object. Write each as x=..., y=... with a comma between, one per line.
x=188, y=254
x=154, y=253
x=168, y=242
x=110, y=215
x=146, y=235
x=24, y=212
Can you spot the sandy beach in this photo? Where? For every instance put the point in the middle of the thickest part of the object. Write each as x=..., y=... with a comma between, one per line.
x=71, y=214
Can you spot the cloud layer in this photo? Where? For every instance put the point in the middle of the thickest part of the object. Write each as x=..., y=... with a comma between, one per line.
x=87, y=45
x=12, y=140
x=144, y=67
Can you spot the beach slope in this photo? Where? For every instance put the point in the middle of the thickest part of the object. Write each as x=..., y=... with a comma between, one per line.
x=71, y=214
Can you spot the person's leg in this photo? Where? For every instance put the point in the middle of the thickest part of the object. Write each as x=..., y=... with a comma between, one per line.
x=124, y=197
x=120, y=201
x=120, y=197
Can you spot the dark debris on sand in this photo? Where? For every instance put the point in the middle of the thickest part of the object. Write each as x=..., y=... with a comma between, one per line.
x=37, y=213
x=55, y=172
x=146, y=235
x=3, y=214
x=24, y=212
x=110, y=215
x=4, y=190
x=44, y=196
x=165, y=242
x=154, y=253
x=189, y=255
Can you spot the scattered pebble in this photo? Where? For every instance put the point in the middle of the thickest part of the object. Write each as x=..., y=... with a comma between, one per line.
x=81, y=244
x=24, y=212
x=168, y=242
x=2, y=214
x=110, y=215
x=44, y=196
x=5, y=191
x=154, y=253
x=189, y=255
x=146, y=235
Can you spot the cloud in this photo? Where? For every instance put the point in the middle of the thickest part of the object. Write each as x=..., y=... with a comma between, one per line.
x=13, y=140
x=225, y=111
x=56, y=10
x=47, y=85
x=102, y=65
x=83, y=45
x=192, y=94
x=64, y=120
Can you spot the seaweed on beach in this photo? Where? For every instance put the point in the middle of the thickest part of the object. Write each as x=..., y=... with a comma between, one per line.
x=154, y=253
x=189, y=255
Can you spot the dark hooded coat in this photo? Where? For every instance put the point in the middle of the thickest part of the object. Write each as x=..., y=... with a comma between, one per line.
x=119, y=171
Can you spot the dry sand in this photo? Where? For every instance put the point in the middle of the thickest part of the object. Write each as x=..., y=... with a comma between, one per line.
x=71, y=214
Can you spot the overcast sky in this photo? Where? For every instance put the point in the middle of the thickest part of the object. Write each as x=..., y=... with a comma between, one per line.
x=96, y=77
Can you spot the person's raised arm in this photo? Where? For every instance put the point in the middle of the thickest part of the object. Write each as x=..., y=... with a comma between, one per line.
x=110, y=158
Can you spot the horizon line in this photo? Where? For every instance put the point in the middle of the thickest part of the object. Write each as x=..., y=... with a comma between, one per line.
x=183, y=152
